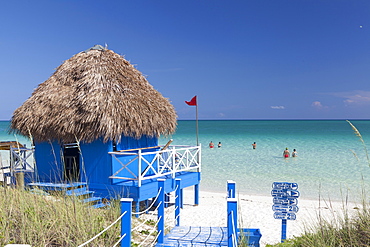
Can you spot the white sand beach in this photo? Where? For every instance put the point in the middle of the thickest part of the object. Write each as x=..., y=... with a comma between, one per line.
x=256, y=212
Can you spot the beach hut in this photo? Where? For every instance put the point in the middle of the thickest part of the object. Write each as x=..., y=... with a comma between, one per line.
x=97, y=121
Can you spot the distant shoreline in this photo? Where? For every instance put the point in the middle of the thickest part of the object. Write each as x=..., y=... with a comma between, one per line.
x=264, y=119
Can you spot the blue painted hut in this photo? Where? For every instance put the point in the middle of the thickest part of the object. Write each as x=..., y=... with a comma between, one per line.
x=97, y=121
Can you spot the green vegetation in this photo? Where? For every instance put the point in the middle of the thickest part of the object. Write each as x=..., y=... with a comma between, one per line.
x=340, y=231
x=39, y=220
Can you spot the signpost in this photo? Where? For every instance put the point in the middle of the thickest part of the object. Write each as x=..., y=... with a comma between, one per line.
x=285, y=203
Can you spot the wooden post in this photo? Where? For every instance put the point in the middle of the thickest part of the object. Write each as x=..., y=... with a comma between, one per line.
x=139, y=168
x=232, y=221
x=177, y=202
x=167, y=200
x=5, y=177
x=181, y=198
x=231, y=189
x=19, y=179
x=126, y=206
x=160, y=227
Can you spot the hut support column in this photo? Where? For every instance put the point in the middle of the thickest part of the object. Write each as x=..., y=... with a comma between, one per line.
x=196, y=194
x=137, y=208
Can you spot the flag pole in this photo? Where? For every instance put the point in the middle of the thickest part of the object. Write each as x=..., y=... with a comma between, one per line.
x=196, y=121
x=193, y=102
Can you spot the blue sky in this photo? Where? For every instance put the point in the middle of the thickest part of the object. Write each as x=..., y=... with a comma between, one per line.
x=244, y=59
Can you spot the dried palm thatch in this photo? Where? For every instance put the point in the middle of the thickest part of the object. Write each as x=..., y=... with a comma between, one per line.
x=95, y=94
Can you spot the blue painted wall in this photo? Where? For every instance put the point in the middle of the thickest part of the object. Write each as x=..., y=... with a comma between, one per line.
x=48, y=162
x=96, y=162
x=130, y=143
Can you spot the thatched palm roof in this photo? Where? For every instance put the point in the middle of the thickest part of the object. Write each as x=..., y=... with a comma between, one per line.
x=95, y=94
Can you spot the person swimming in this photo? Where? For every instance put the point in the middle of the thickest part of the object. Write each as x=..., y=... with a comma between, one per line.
x=286, y=153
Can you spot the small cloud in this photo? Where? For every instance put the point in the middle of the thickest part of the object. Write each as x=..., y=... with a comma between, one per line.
x=317, y=104
x=278, y=107
x=221, y=114
x=354, y=97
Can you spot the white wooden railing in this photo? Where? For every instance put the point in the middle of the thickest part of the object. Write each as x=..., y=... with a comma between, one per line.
x=21, y=158
x=141, y=164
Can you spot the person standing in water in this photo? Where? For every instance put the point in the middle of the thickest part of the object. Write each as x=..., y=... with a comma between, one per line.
x=294, y=154
x=219, y=145
x=254, y=145
x=211, y=145
x=286, y=153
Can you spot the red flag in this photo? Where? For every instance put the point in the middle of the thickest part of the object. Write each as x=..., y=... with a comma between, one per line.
x=193, y=101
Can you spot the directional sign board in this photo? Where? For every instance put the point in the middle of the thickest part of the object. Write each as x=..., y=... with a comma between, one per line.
x=285, y=193
x=285, y=208
x=284, y=186
x=285, y=200
x=284, y=216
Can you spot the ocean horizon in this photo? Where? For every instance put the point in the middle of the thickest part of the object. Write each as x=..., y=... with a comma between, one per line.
x=332, y=162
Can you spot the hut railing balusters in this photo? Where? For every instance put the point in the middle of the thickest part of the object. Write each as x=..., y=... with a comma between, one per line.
x=155, y=164
x=124, y=166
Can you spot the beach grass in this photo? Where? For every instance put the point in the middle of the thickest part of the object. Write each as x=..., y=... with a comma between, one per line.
x=29, y=218
x=340, y=230
x=39, y=220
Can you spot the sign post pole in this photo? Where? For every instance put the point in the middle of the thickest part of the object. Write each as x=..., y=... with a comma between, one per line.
x=285, y=203
x=283, y=230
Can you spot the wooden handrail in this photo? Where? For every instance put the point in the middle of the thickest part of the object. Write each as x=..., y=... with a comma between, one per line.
x=135, y=149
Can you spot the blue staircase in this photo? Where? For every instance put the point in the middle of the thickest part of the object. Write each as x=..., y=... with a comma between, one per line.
x=77, y=189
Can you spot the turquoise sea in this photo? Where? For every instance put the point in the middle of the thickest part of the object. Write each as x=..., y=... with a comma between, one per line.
x=331, y=162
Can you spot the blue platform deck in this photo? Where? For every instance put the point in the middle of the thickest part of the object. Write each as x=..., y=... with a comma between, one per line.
x=197, y=236
x=148, y=189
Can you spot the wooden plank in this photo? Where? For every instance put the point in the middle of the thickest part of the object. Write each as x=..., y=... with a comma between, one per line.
x=196, y=236
x=6, y=145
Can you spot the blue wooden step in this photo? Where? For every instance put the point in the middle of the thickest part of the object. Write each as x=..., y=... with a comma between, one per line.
x=57, y=186
x=99, y=205
x=92, y=199
x=79, y=192
x=77, y=189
